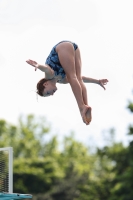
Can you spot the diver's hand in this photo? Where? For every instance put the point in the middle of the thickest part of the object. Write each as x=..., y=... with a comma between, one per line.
x=103, y=82
x=33, y=63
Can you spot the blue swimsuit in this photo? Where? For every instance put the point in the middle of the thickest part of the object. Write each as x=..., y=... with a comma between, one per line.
x=54, y=62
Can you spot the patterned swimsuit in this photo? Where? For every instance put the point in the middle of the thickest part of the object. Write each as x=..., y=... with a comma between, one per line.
x=54, y=62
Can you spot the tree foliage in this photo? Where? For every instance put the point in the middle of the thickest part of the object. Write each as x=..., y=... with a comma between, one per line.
x=67, y=172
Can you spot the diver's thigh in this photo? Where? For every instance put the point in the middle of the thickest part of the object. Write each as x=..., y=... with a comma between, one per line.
x=66, y=55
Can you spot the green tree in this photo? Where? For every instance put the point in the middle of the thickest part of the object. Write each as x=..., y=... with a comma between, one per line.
x=123, y=182
x=115, y=170
x=69, y=173
x=75, y=164
x=26, y=138
x=39, y=165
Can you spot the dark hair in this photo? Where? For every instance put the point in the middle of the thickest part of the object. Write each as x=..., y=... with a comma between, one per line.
x=40, y=87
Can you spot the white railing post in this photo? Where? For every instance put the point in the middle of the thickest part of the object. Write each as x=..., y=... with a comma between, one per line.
x=10, y=167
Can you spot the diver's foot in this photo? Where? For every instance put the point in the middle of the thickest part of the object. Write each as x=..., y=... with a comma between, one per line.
x=88, y=115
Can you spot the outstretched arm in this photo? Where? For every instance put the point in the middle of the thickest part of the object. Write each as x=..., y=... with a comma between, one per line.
x=100, y=82
x=44, y=68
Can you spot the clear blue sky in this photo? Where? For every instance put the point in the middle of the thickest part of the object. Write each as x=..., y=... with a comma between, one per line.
x=103, y=31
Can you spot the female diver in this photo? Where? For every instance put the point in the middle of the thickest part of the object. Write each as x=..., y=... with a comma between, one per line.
x=63, y=65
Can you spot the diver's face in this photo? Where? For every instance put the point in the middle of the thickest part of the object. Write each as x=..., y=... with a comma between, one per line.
x=50, y=88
